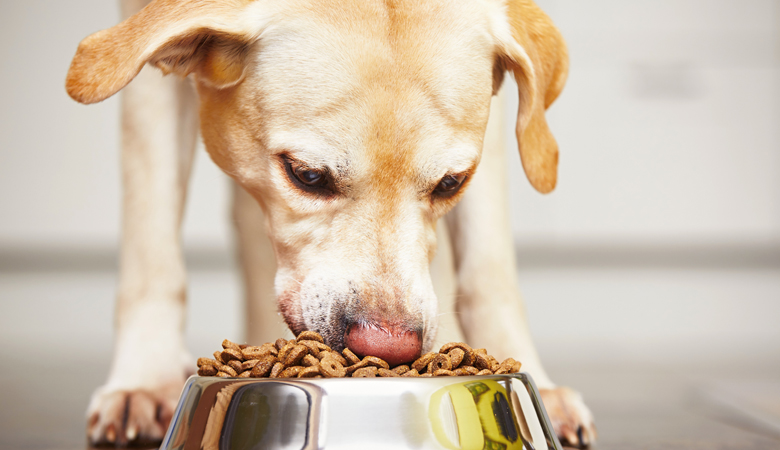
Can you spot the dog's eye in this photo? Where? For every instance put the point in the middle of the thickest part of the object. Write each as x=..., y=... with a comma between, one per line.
x=449, y=185
x=316, y=181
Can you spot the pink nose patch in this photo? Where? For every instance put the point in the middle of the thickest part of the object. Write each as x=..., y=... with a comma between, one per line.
x=396, y=346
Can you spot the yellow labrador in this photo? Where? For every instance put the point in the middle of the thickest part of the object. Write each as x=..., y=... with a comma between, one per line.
x=356, y=125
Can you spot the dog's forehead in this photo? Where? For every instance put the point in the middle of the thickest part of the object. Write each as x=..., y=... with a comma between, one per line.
x=396, y=71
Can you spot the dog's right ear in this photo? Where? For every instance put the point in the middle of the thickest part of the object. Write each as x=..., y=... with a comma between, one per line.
x=205, y=37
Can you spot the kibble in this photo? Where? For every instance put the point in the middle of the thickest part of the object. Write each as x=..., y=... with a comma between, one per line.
x=307, y=356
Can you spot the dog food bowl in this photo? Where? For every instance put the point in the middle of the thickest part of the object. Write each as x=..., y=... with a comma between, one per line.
x=485, y=412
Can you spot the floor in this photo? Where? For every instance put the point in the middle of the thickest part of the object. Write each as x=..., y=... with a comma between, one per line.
x=716, y=397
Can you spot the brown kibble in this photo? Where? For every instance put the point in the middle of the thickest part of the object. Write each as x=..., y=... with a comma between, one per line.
x=207, y=362
x=229, y=370
x=310, y=361
x=400, y=370
x=468, y=359
x=276, y=370
x=466, y=371
x=426, y=375
x=248, y=365
x=242, y=346
x=286, y=349
x=263, y=367
x=281, y=342
x=223, y=375
x=332, y=368
x=350, y=356
x=376, y=362
x=446, y=348
x=456, y=356
x=485, y=372
x=423, y=361
x=440, y=362
x=333, y=355
x=207, y=371
x=245, y=374
x=386, y=373
x=236, y=365
x=309, y=372
x=310, y=336
x=411, y=373
x=314, y=350
x=294, y=355
x=291, y=372
x=481, y=362
x=218, y=357
x=494, y=364
x=226, y=344
x=444, y=373
x=365, y=372
x=231, y=354
x=253, y=352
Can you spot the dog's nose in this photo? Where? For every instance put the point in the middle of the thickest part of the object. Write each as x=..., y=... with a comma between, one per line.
x=392, y=344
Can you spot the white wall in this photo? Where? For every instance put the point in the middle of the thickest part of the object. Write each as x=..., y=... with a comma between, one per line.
x=667, y=127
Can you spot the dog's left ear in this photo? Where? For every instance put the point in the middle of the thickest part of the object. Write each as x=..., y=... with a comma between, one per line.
x=205, y=37
x=534, y=50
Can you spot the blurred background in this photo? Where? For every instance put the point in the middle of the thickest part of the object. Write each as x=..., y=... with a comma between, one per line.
x=656, y=259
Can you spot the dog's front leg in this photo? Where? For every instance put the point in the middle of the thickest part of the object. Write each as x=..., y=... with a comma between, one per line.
x=150, y=362
x=489, y=303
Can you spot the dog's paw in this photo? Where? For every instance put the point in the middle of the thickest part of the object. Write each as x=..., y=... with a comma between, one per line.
x=571, y=419
x=130, y=417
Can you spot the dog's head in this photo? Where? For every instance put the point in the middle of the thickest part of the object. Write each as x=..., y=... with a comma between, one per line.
x=355, y=124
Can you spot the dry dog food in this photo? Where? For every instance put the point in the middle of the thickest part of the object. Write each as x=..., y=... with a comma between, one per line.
x=307, y=356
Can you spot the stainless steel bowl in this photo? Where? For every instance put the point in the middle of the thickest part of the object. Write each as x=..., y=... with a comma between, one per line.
x=487, y=412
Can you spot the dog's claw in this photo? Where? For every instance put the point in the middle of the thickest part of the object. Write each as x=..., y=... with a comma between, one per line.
x=123, y=418
x=571, y=419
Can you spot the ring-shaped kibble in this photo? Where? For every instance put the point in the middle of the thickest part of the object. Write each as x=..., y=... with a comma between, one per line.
x=223, y=375
x=281, y=342
x=466, y=370
x=309, y=372
x=207, y=371
x=351, y=357
x=236, y=365
x=314, y=350
x=444, y=373
x=218, y=357
x=295, y=355
x=484, y=372
x=263, y=368
x=255, y=352
x=365, y=372
x=331, y=368
x=411, y=373
x=426, y=375
x=423, y=361
x=245, y=374
x=206, y=362
x=376, y=362
x=310, y=361
x=334, y=355
x=228, y=370
x=400, y=370
x=386, y=373
x=286, y=349
x=227, y=343
x=276, y=370
x=230, y=354
x=440, y=362
x=446, y=348
x=310, y=336
x=456, y=356
x=481, y=362
x=248, y=365
x=291, y=372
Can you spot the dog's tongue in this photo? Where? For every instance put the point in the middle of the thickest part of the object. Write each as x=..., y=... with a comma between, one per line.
x=392, y=345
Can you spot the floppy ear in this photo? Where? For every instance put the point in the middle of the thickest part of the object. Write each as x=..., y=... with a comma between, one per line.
x=537, y=55
x=207, y=37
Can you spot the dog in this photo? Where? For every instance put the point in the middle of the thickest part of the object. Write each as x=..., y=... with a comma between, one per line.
x=357, y=134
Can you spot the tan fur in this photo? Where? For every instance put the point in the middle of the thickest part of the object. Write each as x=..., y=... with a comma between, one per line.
x=389, y=96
